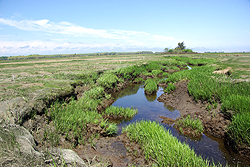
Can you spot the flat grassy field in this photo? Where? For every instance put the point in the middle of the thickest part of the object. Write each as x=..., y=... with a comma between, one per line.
x=22, y=77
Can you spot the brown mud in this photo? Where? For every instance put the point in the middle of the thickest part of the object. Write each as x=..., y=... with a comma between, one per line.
x=112, y=151
x=116, y=151
x=215, y=122
x=167, y=120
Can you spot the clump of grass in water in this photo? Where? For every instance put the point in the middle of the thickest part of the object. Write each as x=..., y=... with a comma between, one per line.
x=120, y=112
x=161, y=146
x=150, y=87
x=190, y=124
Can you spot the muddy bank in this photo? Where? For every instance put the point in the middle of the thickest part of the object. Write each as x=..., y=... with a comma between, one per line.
x=46, y=135
x=215, y=122
x=115, y=151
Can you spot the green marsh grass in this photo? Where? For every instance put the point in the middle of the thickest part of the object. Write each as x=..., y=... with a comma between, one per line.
x=116, y=111
x=156, y=72
x=239, y=129
x=77, y=114
x=108, y=80
x=205, y=86
x=150, y=86
x=139, y=80
x=165, y=74
x=150, y=68
x=194, y=61
x=194, y=124
x=174, y=68
x=170, y=87
x=161, y=146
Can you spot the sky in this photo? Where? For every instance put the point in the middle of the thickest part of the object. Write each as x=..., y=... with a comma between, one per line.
x=90, y=26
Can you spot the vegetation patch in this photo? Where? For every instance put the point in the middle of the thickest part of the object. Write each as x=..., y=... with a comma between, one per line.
x=150, y=86
x=189, y=126
x=165, y=74
x=73, y=118
x=213, y=88
x=239, y=129
x=181, y=48
x=138, y=80
x=161, y=146
x=119, y=112
x=195, y=61
x=107, y=80
x=170, y=88
x=156, y=72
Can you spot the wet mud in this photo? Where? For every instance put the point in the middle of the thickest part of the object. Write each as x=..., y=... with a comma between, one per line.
x=214, y=121
x=116, y=151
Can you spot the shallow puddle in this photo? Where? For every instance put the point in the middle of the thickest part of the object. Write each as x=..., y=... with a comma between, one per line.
x=150, y=109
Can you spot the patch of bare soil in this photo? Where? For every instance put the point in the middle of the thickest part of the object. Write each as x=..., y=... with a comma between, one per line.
x=214, y=121
x=117, y=151
x=224, y=71
x=167, y=120
x=26, y=85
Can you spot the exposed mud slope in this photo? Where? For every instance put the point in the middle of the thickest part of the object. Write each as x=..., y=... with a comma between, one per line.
x=115, y=151
x=214, y=121
x=18, y=148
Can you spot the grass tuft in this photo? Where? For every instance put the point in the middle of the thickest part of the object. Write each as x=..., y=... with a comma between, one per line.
x=171, y=87
x=239, y=129
x=116, y=111
x=151, y=86
x=161, y=146
x=192, y=124
x=77, y=114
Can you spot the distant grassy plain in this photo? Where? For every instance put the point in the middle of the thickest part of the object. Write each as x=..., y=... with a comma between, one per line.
x=22, y=77
x=31, y=75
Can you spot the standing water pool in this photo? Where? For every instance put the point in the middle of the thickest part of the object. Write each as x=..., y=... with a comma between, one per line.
x=149, y=108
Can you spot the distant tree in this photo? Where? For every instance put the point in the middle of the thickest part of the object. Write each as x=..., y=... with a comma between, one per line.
x=188, y=51
x=181, y=46
x=171, y=50
x=166, y=50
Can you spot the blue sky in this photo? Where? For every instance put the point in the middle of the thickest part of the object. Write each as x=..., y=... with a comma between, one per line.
x=80, y=26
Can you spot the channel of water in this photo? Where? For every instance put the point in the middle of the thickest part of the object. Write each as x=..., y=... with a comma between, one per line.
x=150, y=109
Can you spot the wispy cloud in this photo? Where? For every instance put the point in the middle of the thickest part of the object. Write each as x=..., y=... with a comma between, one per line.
x=59, y=28
x=104, y=39
x=68, y=28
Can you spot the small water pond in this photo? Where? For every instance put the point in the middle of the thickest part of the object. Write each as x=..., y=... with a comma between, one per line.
x=150, y=109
